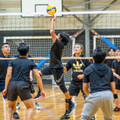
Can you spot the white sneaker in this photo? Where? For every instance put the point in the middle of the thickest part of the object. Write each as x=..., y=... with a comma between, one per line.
x=37, y=106
x=18, y=106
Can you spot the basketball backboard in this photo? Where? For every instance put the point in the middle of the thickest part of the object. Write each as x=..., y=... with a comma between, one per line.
x=39, y=6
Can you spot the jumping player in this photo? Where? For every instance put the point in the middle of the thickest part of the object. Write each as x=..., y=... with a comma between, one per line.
x=56, y=68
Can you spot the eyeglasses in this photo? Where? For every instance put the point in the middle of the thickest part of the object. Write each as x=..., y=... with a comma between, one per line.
x=6, y=46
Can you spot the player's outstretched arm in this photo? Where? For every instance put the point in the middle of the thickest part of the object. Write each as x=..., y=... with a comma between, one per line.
x=52, y=31
x=39, y=82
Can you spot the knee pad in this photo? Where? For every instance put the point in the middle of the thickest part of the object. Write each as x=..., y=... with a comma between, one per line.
x=63, y=88
x=115, y=96
x=67, y=100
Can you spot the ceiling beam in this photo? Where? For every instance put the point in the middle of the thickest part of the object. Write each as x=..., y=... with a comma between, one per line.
x=104, y=6
x=74, y=15
x=80, y=4
x=103, y=10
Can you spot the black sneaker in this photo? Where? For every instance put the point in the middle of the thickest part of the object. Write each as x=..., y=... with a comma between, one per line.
x=65, y=116
x=15, y=115
x=93, y=118
x=71, y=107
x=37, y=96
x=116, y=109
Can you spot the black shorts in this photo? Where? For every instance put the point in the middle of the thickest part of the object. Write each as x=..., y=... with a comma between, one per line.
x=20, y=89
x=32, y=87
x=117, y=84
x=75, y=88
x=56, y=72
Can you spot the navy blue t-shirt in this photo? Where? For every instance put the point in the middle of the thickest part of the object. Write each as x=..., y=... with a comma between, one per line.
x=56, y=54
x=99, y=76
x=3, y=67
x=21, y=69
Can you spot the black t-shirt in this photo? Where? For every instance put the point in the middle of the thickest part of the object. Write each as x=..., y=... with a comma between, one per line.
x=116, y=66
x=21, y=69
x=99, y=76
x=78, y=66
x=3, y=67
x=56, y=54
x=108, y=62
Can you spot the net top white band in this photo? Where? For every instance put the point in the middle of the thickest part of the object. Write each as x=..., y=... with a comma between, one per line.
x=41, y=58
x=61, y=13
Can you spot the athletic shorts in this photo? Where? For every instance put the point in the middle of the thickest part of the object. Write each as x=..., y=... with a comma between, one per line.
x=75, y=88
x=20, y=89
x=2, y=87
x=117, y=84
x=32, y=87
x=56, y=72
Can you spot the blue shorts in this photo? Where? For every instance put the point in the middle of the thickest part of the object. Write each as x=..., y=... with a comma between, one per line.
x=2, y=87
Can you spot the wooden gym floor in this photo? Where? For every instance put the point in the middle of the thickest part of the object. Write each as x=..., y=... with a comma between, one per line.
x=52, y=107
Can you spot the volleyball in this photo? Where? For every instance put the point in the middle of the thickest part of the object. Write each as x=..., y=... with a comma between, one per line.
x=51, y=10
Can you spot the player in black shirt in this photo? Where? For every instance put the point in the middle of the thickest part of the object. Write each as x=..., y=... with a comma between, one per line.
x=102, y=84
x=56, y=68
x=78, y=66
x=37, y=106
x=3, y=70
x=17, y=82
x=108, y=62
x=116, y=72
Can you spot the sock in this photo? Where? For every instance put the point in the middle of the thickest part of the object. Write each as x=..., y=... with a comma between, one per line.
x=66, y=111
x=70, y=102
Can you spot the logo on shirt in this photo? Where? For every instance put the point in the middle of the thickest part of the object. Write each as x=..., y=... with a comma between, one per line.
x=59, y=79
x=77, y=67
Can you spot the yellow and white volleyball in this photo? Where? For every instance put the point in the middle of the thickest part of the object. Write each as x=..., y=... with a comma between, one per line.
x=51, y=10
